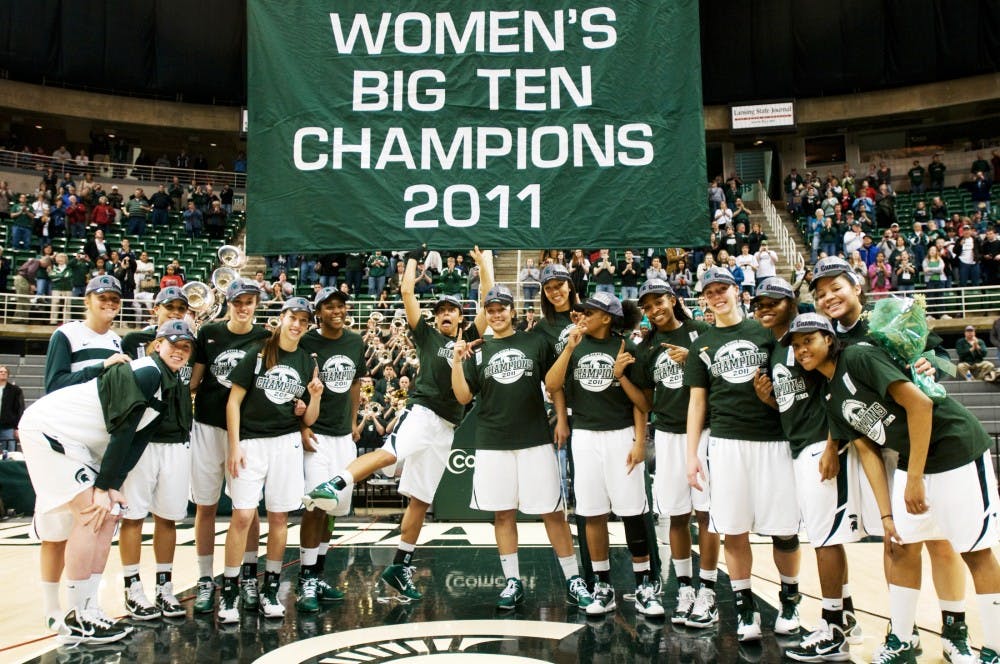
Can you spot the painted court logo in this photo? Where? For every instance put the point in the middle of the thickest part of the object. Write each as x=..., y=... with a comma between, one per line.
x=668, y=373
x=595, y=372
x=338, y=373
x=737, y=361
x=224, y=363
x=508, y=366
x=281, y=384
x=444, y=641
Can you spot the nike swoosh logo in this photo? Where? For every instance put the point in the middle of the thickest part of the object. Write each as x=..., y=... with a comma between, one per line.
x=830, y=648
x=816, y=454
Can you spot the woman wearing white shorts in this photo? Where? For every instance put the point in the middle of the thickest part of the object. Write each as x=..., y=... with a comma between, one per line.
x=515, y=469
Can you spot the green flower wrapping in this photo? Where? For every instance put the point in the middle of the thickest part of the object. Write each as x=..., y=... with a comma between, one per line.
x=899, y=325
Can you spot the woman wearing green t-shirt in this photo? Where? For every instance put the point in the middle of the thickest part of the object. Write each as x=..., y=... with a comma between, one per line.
x=609, y=440
x=265, y=449
x=840, y=298
x=752, y=478
x=662, y=356
x=943, y=489
x=517, y=468
x=62, y=289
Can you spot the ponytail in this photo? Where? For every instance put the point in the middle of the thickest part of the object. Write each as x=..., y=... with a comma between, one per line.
x=269, y=351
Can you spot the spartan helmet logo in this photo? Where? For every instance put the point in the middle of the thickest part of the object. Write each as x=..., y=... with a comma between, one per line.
x=82, y=476
x=225, y=363
x=595, y=372
x=338, y=373
x=281, y=382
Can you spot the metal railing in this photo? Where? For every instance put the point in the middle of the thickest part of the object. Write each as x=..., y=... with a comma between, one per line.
x=788, y=249
x=121, y=171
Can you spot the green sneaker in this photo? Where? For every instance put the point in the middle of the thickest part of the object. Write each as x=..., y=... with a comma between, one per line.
x=307, y=601
x=987, y=656
x=577, y=593
x=323, y=497
x=204, y=601
x=400, y=579
x=327, y=593
x=955, y=644
x=249, y=594
x=511, y=596
x=894, y=651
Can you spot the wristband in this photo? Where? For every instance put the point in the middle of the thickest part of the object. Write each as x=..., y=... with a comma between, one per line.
x=886, y=516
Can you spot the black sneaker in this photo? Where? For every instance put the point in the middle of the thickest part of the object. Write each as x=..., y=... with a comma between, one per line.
x=827, y=643
x=229, y=611
x=89, y=627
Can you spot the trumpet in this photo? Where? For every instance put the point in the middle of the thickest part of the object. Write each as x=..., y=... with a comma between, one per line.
x=376, y=317
x=367, y=390
x=200, y=297
x=231, y=256
x=373, y=408
x=273, y=323
x=349, y=321
x=412, y=359
x=385, y=357
x=224, y=276
x=398, y=324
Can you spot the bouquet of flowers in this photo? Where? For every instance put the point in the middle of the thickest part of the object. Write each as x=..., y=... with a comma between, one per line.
x=899, y=325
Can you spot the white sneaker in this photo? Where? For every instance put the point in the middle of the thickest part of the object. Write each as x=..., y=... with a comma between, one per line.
x=705, y=611
x=787, y=621
x=138, y=605
x=685, y=601
x=646, y=601
x=167, y=602
x=748, y=626
x=604, y=599
x=852, y=629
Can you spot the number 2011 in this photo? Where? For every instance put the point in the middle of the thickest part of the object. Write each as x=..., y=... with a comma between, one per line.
x=468, y=197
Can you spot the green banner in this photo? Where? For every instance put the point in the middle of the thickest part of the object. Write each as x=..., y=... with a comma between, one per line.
x=507, y=124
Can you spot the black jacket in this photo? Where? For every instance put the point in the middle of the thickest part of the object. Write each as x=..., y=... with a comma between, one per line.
x=11, y=406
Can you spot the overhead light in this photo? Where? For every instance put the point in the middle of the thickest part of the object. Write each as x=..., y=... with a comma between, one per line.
x=111, y=135
x=38, y=126
x=213, y=145
x=758, y=142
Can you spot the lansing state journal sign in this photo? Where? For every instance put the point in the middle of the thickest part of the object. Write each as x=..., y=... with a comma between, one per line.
x=541, y=123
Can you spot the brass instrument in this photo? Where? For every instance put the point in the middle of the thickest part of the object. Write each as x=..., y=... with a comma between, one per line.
x=398, y=324
x=349, y=321
x=385, y=357
x=273, y=323
x=200, y=297
x=224, y=276
x=412, y=359
x=231, y=256
x=427, y=314
x=367, y=390
x=376, y=317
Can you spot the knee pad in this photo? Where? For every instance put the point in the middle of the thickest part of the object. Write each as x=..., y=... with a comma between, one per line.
x=635, y=535
x=789, y=543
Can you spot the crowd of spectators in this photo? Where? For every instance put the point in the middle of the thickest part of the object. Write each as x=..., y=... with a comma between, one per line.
x=898, y=248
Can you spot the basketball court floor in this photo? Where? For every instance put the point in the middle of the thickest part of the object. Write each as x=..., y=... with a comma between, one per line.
x=459, y=573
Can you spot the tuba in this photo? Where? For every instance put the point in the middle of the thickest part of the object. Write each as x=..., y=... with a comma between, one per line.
x=224, y=276
x=200, y=297
x=231, y=256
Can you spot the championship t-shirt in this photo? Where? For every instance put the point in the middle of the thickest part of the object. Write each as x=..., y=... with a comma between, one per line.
x=556, y=332
x=341, y=362
x=859, y=403
x=599, y=400
x=506, y=376
x=433, y=383
x=801, y=400
x=220, y=350
x=268, y=409
x=665, y=377
x=724, y=361
x=175, y=427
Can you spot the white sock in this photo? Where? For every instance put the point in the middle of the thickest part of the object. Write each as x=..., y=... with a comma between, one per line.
x=205, y=564
x=325, y=546
x=832, y=604
x=231, y=572
x=309, y=557
x=740, y=584
x=569, y=567
x=273, y=566
x=165, y=567
x=95, y=589
x=50, y=598
x=989, y=615
x=903, y=610
x=406, y=546
x=709, y=574
x=788, y=579
x=78, y=593
x=956, y=606
x=640, y=567
x=682, y=567
x=601, y=565
x=130, y=570
x=250, y=558
x=511, y=568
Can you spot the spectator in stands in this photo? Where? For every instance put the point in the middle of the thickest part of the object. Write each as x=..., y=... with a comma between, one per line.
x=868, y=250
x=904, y=278
x=885, y=206
x=261, y=283
x=723, y=215
x=704, y=267
x=396, y=280
x=979, y=190
x=829, y=237
x=117, y=202
x=22, y=219
x=97, y=246
x=880, y=274
x=888, y=243
x=936, y=172
x=192, y=220
x=43, y=288
x=604, y=272
x=76, y=217
x=656, y=271
x=968, y=253
x=475, y=278
x=425, y=280
x=734, y=270
x=160, y=202
x=432, y=261
x=215, y=221
x=755, y=237
x=283, y=286
x=24, y=285
x=629, y=270
x=124, y=272
x=916, y=177
x=579, y=271
x=716, y=197
x=61, y=278
x=527, y=321
x=767, y=262
x=354, y=268
x=378, y=266
x=980, y=165
x=792, y=181
x=327, y=269
x=972, y=362
x=226, y=197
x=852, y=239
x=103, y=213
x=11, y=409
x=136, y=208
x=741, y=215
x=171, y=278
x=61, y=156
x=528, y=278
x=176, y=192
x=990, y=248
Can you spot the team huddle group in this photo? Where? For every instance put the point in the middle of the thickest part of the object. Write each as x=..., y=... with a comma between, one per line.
x=750, y=416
